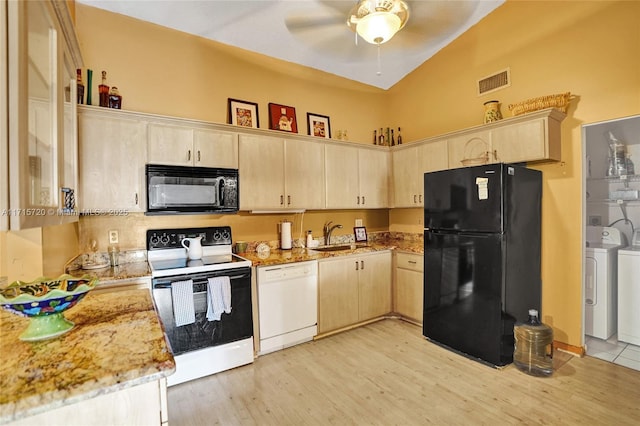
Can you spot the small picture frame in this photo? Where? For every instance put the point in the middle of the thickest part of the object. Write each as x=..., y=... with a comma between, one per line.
x=318, y=125
x=360, y=234
x=243, y=113
x=283, y=118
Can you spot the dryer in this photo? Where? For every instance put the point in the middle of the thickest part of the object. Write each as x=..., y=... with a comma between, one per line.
x=601, y=281
x=629, y=292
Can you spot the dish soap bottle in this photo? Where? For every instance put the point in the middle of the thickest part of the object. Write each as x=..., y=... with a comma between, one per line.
x=309, y=238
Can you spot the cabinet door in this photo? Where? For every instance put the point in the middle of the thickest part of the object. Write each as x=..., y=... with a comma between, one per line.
x=112, y=158
x=337, y=294
x=171, y=145
x=341, y=174
x=304, y=172
x=407, y=179
x=261, y=168
x=469, y=146
x=373, y=167
x=213, y=148
x=409, y=286
x=520, y=142
x=374, y=295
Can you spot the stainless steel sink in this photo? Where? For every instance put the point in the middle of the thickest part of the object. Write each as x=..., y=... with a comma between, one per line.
x=335, y=247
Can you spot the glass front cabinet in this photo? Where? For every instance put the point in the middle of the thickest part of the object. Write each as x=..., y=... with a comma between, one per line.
x=43, y=54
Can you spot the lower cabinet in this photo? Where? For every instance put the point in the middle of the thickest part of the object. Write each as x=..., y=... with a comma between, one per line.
x=409, y=289
x=145, y=404
x=352, y=289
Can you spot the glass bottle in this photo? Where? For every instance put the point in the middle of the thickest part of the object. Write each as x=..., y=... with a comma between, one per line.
x=115, y=99
x=381, y=137
x=375, y=137
x=80, y=86
x=393, y=141
x=103, y=91
x=399, y=137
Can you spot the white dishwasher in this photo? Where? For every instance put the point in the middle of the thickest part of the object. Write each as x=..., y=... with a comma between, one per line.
x=287, y=304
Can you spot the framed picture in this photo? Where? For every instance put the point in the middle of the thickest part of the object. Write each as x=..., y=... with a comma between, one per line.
x=318, y=125
x=282, y=117
x=360, y=233
x=243, y=113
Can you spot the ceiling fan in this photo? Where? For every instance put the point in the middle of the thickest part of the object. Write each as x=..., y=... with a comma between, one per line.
x=377, y=21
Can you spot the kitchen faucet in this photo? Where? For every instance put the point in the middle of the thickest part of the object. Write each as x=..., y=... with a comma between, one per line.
x=328, y=229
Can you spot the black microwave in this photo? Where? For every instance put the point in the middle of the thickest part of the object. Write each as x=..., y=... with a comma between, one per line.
x=191, y=190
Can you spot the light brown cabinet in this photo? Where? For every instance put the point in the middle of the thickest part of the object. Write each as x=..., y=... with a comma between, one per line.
x=112, y=158
x=410, y=163
x=352, y=289
x=530, y=137
x=356, y=177
x=408, y=286
x=190, y=145
x=279, y=174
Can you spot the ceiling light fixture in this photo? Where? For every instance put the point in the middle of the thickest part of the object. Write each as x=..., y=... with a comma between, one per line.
x=377, y=21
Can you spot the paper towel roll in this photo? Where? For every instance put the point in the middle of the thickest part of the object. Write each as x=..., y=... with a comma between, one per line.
x=285, y=235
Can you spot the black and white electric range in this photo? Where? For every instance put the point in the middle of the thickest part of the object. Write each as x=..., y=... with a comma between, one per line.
x=201, y=346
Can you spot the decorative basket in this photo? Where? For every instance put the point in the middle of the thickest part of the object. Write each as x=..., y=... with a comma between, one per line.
x=471, y=156
x=560, y=101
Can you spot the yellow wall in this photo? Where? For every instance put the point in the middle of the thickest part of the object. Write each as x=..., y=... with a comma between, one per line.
x=168, y=72
x=588, y=48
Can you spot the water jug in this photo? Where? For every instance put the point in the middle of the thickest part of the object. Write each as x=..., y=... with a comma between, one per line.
x=194, y=249
x=533, y=352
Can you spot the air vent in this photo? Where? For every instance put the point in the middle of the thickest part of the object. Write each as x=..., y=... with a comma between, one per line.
x=494, y=82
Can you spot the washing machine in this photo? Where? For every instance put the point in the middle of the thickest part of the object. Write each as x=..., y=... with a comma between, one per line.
x=629, y=292
x=601, y=281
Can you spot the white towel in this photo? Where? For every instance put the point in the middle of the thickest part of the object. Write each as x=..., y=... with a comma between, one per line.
x=218, y=297
x=183, y=308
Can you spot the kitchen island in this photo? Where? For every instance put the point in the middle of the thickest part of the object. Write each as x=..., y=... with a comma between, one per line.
x=111, y=368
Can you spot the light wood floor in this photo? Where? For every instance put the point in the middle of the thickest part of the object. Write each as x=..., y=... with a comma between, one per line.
x=386, y=373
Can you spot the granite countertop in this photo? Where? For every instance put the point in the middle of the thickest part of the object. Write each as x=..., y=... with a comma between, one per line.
x=279, y=256
x=118, y=342
x=125, y=271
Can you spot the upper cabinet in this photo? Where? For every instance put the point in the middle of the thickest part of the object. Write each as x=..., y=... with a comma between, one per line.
x=410, y=163
x=112, y=159
x=42, y=55
x=526, y=138
x=190, y=145
x=356, y=176
x=280, y=174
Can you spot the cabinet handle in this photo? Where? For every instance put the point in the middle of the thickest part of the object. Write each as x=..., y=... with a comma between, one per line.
x=288, y=200
x=136, y=198
x=363, y=200
x=198, y=156
x=413, y=262
x=358, y=200
x=281, y=200
x=362, y=265
x=189, y=155
x=357, y=266
x=420, y=197
x=414, y=199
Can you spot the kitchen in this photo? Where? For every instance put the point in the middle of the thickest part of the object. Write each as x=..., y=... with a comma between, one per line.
x=161, y=73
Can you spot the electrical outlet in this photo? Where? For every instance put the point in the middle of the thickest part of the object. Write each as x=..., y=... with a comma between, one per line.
x=113, y=237
x=358, y=222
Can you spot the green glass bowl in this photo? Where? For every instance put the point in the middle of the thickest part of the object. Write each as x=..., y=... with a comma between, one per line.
x=44, y=301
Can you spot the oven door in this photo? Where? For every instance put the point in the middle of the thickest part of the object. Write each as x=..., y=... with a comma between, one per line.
x=236, y=325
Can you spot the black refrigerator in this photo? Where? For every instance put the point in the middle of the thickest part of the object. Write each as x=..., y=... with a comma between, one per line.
x=481, y=257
